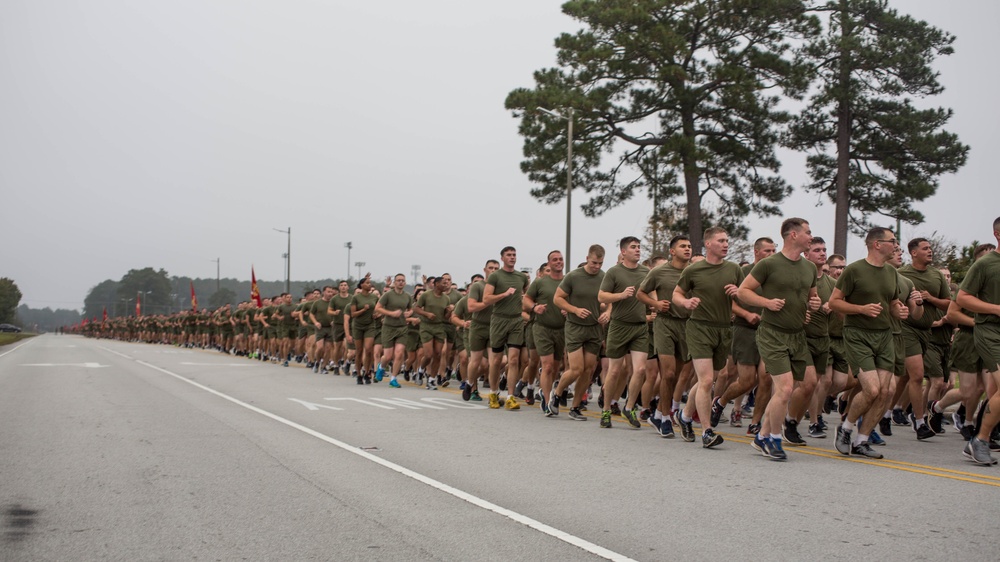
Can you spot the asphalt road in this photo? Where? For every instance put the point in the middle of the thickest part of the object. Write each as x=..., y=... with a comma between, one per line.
x=112, y=450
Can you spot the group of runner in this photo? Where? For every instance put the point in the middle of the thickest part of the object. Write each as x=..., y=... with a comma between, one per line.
x=673, y=340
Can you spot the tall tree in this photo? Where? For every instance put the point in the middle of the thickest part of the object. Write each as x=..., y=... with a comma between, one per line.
x=10, y=297
x=873, y=152
x=101, y=296
x=690, y=84
x=155, y=286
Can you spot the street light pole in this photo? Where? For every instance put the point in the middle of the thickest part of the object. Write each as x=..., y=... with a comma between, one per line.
x=569, y=174
x=359, y=265
x=218, y=269
x=415, y=269
x=288, y=259
x=349, y=245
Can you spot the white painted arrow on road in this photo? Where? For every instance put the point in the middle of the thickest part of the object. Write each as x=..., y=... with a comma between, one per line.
x=84, y=365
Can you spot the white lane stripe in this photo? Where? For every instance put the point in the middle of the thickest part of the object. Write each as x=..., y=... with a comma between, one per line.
x=15, y=349
x=115, y=352
x=474, y=500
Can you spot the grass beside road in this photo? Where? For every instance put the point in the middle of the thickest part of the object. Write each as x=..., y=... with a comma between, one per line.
x=6, y=338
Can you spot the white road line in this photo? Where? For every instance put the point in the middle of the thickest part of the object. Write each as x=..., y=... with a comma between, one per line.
x=474, y=500
x=116, y=353
x=15, y=349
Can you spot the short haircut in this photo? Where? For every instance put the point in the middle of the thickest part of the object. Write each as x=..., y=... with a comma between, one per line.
x=982, y=249
x=625, y=242
x=711, y=231
x=831, y=257
x=596, y=250
x=543, y=266
x=790, y=224
x=657, y=257
x=874, y=235
x=507, y=249
x=488, y=262
x=549, y=256
x=399, y=275
x=759, y=243
x=678, y=238
x=817, y=240
x=325, y=287
x=476, y=276
x=915, y=243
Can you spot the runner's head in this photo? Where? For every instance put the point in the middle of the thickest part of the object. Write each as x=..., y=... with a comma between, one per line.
x=881, y=240
x=595, y=259
x=795, y=232
x=837, y=264
x=631, y=249
x=716, y=242
x=817, y=251
x=680, y=248
x=921, y=251
x=762, y=248
x=556, y=262
x=509, y=257
x=491, y=266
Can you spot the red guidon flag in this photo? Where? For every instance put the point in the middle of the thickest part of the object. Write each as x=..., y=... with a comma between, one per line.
x=105, y=317
x=138, y=305
x=194, y=298
x=254, y=291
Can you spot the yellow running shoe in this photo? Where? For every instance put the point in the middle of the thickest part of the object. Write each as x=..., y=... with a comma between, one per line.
x=494, y=401
x=511, y=404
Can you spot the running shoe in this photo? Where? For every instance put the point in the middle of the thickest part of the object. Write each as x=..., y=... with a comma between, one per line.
x=606, y=419
x=865, y=450
x=885, y=426
x=431, y=383
x=899, y=417
x=519, y=389
x=791, y=434
x=774, y=449
x=753, y=429
x=843, y=443
x=736, y=418
x=666, y=428
x=968, y=432
x=510, y=404
x=934, y=419
x=466, y=391
x=644, y=414
x=615, y=410
x=978, y=451
x=654, y=422
x=923, y=431
x=875, y=439
x=530, y=398
x=394, y=383
x=821, y=423
x=475, y=396
x=710, y=439
x=368, y=378
x=815, y=432
x=361, y=380
x=717, y=409
x=631, y=418
x=687, y=428
x=494, y=401
x=759, y=445
x=553, y=403
x=576, y=414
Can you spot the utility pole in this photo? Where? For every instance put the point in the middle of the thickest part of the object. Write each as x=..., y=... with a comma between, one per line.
x=349, y=245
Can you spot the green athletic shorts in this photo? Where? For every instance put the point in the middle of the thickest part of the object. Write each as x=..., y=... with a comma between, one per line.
x=432, y=332
x=915, y=340
x=549, y=341
x=451, y=333
x=936, y=360
x=506, y=332
x=899, y=354
x=412, y=339
x=529, y=338
x=323, y=334
x=987, y=336
x=819, y=350
x=838, y=355
x=624, y=338
x=589, y=338
x=868, y=350
x=707, y=341
x=459, y=342
x=479, y=336
x=337, y=328
x=392, y=335
x=964, y=355
x=745, y=350
x=361, y=333
x=783, y=352
x=669, y=338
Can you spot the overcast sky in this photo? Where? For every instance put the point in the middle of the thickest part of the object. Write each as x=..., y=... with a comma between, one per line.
x=169, y=134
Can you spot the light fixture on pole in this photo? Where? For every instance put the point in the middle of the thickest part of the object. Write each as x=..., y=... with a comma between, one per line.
x=288, y=259
x=359, y=265
x=349, y=245
x=569, y=172
x=415, y=269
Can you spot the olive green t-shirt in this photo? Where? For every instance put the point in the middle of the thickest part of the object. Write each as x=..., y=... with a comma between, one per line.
x=358, y=302
x=462, y=308
x=983, y=282
x=541, y=291
x=739, y=320
x=436, y=305
x=903, y=294
x=343, y=304
x=617, y=279
x=819, y=321
x=932, y=281
x=286, y=312
x=863, y=283
x=662, y=279
x=581, y=289
x=501, y=280
x=783, y=278
x=321, y=310
x=708, y=282
x=392, y=301
x=476, y=293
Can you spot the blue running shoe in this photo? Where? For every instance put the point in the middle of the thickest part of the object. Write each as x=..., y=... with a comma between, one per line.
x=876, y=439
x=379, y=373
x=394, y=383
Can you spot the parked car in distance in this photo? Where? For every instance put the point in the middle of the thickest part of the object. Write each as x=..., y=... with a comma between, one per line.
x=9, y=328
